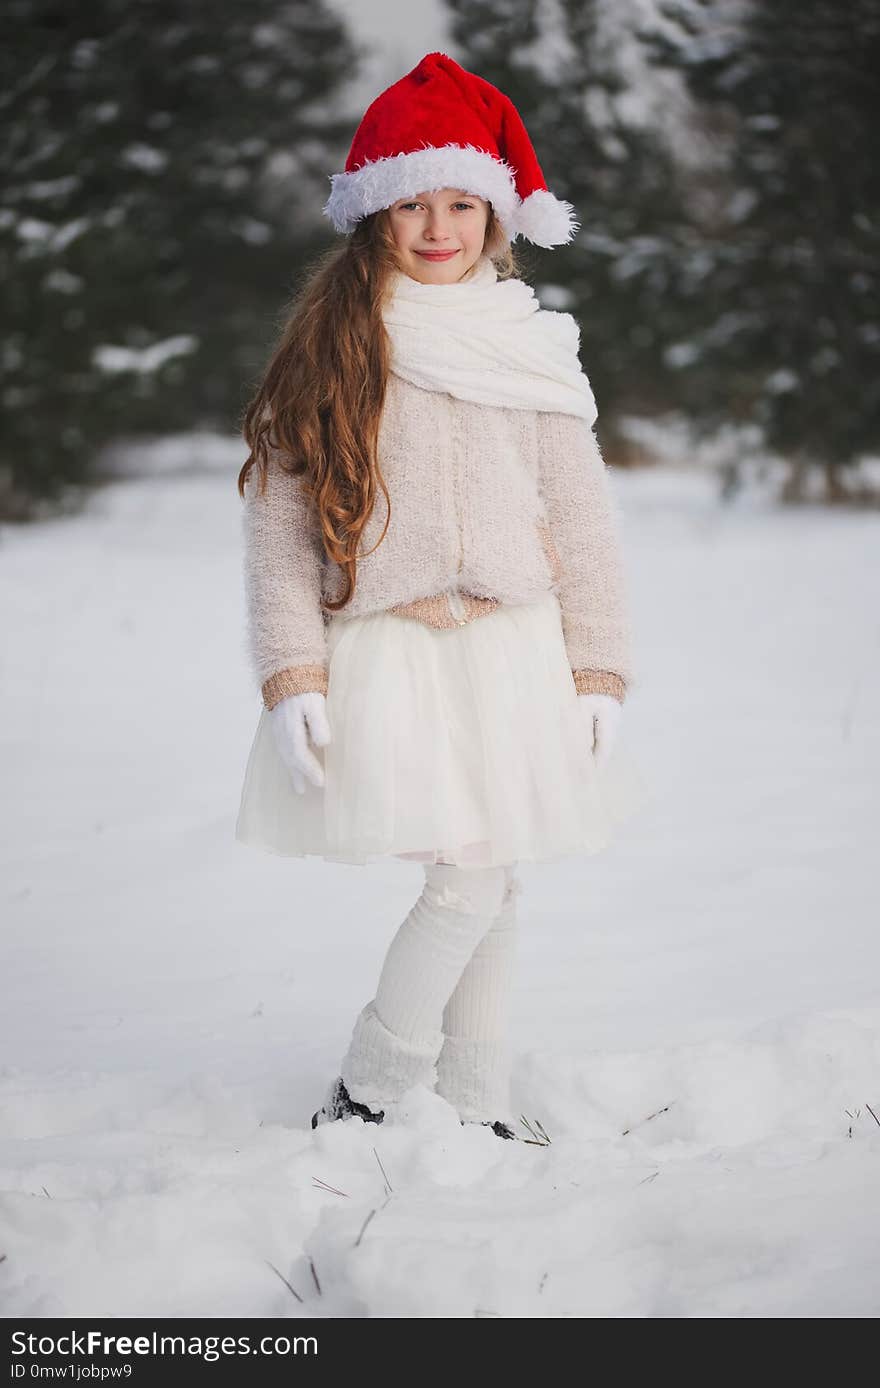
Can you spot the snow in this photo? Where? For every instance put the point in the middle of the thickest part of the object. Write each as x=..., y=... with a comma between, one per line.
x=144, y=360
x=696, y=1021
x=145, y=157
x=32, y=229
x=63, y=282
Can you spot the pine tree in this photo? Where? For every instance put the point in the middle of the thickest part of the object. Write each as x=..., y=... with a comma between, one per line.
x=164, y=166
x=779, y=298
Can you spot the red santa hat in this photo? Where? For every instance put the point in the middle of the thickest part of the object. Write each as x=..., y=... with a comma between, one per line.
x=443, y=127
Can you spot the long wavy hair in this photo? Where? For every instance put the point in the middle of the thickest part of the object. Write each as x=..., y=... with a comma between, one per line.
x=318, y=406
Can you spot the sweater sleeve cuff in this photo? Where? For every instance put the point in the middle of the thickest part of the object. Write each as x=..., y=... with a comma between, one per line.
x=298, y=679
x=600, y=682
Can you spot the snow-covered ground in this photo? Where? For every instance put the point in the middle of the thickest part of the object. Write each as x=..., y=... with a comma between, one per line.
x=697, y=1015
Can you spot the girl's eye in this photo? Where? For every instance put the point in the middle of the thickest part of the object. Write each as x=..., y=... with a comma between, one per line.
x=405, y=205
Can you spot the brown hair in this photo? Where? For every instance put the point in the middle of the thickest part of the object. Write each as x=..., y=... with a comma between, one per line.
x=320, y=399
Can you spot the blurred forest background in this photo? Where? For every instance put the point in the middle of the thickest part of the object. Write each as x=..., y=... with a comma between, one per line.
x=165, y=165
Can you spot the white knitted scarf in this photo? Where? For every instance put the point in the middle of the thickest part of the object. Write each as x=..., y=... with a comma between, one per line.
x=487, y=340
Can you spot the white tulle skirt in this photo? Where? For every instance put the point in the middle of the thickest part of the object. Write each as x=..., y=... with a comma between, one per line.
x=460, y=744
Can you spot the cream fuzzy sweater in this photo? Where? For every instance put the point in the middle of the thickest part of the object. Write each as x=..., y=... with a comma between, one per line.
x=489, y=505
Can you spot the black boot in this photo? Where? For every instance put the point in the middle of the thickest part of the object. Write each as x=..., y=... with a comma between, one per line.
x=499, y=1129
x=340, y=1104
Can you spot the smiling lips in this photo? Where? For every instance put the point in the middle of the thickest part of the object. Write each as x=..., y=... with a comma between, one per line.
x=437, y=255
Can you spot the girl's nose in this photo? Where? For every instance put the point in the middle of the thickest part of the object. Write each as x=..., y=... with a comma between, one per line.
x=437, y=227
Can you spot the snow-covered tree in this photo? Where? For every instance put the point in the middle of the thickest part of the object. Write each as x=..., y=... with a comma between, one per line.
x=779, y=298
x=163, y=168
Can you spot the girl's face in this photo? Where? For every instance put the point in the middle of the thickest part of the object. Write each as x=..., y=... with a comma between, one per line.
x=439, y=235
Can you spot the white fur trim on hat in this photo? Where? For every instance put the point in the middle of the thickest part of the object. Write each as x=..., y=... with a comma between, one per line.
x=379, y=183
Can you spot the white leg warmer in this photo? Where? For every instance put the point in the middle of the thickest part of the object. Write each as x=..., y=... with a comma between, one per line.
x=398, y=1034
x=473, y=1068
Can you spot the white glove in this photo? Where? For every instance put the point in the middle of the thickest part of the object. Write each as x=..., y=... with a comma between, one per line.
x=290, y=718
x=602, y=713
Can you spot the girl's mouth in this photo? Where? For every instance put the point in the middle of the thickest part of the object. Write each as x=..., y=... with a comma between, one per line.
x=437, y=255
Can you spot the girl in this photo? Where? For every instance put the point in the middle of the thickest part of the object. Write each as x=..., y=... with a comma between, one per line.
x=456, y=654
